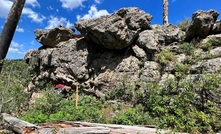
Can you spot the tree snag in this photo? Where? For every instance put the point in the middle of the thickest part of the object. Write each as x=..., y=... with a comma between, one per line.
x=9, y=29
x=165, y=12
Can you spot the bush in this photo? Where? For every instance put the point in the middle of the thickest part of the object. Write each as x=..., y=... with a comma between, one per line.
x=52, y=107
x=186, y=105
x=132, y=116
x=186, y=48
x=165, y=57
x=208, y=45
x=184, y=24
x=14, y=79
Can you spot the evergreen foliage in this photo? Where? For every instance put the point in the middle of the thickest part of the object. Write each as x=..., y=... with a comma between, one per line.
x=14, y=78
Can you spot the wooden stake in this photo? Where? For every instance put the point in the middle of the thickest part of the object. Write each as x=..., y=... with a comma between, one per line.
x=76, y=102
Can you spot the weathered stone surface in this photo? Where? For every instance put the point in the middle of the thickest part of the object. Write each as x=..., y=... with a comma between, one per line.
x=216, y=52
x=151, y=72
x=98, y=69
x=212, y=65
x=51, y=37
x=168, y=34
x=215, y=39
x=153, y=40
x=65, y=63
x=202, y=23
x=209, y=66
x=30, y=54
x=139, y=52
x=77, y=61
x=115, y=31
x=172, y=64
x=165, y=78
x=148, y=40
x=216, y=29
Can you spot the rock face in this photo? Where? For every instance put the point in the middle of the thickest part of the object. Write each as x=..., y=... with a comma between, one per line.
x=152, y=40
x=51, y=37
x=202, y=23
x=116, y=31
x=216, y=28
x=123, y=46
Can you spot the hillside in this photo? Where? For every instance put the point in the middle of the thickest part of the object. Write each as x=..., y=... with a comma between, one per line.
x=135, y=73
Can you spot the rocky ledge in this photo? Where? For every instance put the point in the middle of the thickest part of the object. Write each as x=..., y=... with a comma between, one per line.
x=122, y=46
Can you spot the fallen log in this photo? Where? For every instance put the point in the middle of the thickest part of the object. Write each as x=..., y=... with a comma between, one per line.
x=16, y=124
x=23, y=127
x=69, y=127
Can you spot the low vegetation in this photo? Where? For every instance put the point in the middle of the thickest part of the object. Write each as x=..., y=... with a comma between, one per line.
x=187, y=103
x=184, y=24
x=13, y=80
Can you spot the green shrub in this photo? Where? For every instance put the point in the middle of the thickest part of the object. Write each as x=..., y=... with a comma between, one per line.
x=181, y=70
x=165, y=57
x=52, y=107
x=184, y=24
x=187, y=48
x=186, y=105
x=123, y=91
x=132, y=116
x=182, y=105
x=207, y=46
x=14, y=78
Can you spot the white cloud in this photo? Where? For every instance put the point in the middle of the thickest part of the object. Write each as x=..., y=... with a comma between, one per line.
x=93, y=13
x=38, y=18
x=21, y=30
x=13, y=50
x=97, y=1
x=16, y=48
x=50, y=8
x=55, y=21
x=16, y=45
x=32, y=42
x=71, y=4
x=5, y=7
x=173, y=0
x=33, y=3
x=16, y=51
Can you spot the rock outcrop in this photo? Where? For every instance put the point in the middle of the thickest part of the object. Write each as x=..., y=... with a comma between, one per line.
x=216, y=28
x=124, y=46
x=153, y=40
x=116, y=31
x=202, y=23
x=51, y=37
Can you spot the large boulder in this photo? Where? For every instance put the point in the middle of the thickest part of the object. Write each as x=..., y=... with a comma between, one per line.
x=202, y=23
x=51, y=37
x=168, y=34
x=116, y=31
x=153, y=40
x=216, y=28
x=148, y=40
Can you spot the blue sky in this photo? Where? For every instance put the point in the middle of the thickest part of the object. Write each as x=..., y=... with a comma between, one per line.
x=45, y=14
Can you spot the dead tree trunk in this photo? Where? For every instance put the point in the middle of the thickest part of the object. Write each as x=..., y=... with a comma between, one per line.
x=165, y=12
x=9, y=29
